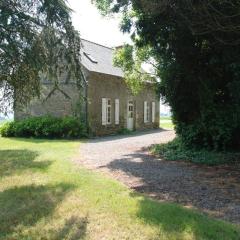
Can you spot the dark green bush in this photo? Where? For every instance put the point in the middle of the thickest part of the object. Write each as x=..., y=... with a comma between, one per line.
x=200, y=75
x=45, y=127
x=124, y=131
x=177, y=151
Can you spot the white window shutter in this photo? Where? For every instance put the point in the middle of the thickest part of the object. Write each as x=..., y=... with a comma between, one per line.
x=145, y=112
x=153, y=111
x=104, y=111
x=116, y=111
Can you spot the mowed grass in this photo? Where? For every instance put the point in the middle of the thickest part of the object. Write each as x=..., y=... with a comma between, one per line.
x=166, y=123
x=44, y=195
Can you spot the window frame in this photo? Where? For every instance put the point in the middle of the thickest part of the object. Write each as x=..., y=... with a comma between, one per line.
x=148, y=113
x=117, y=111
x=108, y=111
x=153, y=112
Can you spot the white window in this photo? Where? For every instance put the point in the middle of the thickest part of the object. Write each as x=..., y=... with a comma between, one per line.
x=153, y=111
x=146, y=112
x=116, y=111
x=130, y=109
x=106, y=111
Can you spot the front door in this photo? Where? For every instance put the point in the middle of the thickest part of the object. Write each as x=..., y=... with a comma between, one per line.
x=130, y=118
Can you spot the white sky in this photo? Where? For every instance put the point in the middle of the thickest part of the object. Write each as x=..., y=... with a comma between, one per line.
x=94, y=27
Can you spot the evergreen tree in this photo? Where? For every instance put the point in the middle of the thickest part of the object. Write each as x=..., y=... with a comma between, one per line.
x=36, y=36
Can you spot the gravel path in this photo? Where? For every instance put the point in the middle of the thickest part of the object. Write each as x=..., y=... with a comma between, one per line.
x=213, y=190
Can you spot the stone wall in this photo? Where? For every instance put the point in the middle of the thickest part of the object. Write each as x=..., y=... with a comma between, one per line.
x=58, y=104
x=106, y=86
x=99, y=86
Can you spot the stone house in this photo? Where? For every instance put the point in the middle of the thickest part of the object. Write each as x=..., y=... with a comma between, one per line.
x=109, y=107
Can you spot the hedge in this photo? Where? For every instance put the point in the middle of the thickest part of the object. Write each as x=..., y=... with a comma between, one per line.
x=45, y=127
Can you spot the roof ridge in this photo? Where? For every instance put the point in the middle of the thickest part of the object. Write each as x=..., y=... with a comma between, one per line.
x=97, y=44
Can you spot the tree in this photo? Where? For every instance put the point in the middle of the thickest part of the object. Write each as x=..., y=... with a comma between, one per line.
x=220, y=18
x=130, y=59
x=36, y=37
x=196, y=47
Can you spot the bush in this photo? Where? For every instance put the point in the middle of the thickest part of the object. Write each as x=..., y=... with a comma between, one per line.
x=177, y=151
x=44, y=127
x=124, y=131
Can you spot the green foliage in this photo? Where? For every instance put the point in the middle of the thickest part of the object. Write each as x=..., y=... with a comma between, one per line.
x=177, y=151
x=36, y=37
x=130, y=60
x=214, y=129
x=44, y=127
x=196, y=48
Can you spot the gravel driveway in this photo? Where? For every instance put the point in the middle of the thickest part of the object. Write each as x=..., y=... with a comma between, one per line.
x=213, y=190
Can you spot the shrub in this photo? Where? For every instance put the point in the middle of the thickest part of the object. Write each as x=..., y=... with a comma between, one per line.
x=124, y=131
x=177, y=151
x=44, y=127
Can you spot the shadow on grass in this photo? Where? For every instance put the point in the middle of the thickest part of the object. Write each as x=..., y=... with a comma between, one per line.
x=26, y=205
x=176, y=222
x=74, y=228
x=14, y=161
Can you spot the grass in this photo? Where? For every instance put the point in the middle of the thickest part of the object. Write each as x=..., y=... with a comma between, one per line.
x=166, y=123
x=166, y=118
x=175, y=151
x=43, y=195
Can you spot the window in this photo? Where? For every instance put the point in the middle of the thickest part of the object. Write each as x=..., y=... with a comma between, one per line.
x=153, y=111
x=148, y=112
x=116, y=111
x=108, y=111
x=104, y=111
x=130, y=109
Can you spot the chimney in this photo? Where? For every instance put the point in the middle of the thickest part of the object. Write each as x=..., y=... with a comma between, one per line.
x=119, y=47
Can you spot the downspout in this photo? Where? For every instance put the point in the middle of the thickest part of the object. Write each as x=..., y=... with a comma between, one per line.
x=86, y=100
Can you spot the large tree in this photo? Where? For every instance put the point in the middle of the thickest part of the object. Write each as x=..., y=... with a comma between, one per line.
x=196, y=47
x=36, y=37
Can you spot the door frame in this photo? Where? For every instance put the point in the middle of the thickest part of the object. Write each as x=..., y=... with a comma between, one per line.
x=132, y=125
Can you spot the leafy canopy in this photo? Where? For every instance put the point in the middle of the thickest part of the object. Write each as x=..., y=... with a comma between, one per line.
x=130, y=59
x=36, y=37
x=195, y=46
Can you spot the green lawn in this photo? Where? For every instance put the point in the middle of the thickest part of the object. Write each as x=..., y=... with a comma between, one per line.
x=166, y=118
x=166, y=123
x=43, y=195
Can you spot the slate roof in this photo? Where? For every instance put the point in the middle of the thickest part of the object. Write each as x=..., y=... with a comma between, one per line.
x=98, y=58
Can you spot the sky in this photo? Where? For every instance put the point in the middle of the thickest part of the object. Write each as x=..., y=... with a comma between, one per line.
x=94, y=27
